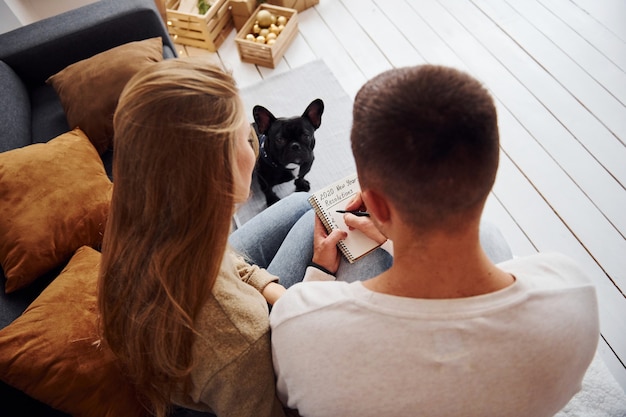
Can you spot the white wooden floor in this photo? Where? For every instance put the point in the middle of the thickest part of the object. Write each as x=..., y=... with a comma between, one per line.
x=558, y=71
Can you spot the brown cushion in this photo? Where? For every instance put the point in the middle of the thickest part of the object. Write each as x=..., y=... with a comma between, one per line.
x=89, y=89
x=53, y=353
x=54, y=198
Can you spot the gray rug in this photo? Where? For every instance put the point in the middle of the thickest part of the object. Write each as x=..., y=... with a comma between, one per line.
x=287, y=95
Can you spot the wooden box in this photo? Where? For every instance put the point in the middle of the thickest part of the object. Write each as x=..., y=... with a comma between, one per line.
x=299, y=5
x=241, y=11
x=206, y=31
x=262, y=54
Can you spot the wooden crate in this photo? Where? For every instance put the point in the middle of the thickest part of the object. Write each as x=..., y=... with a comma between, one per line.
x=241, y=11
x=267, y=55
x=206, y=31
x=299, y=5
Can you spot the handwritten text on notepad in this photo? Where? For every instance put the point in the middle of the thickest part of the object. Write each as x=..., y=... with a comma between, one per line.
x=338, y=193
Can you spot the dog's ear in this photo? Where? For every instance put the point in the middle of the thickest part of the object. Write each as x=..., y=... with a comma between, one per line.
x=263, y=118
x=314, y=112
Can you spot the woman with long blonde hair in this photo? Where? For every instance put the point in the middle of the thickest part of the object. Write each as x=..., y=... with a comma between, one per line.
x=185, y=315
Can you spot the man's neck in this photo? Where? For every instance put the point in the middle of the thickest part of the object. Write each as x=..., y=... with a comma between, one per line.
x=440, y=267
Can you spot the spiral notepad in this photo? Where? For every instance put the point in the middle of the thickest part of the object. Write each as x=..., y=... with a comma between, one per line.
x=327, y=201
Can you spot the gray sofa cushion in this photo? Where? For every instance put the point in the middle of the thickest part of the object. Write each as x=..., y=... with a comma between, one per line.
x=15, y=113
x=48, y=118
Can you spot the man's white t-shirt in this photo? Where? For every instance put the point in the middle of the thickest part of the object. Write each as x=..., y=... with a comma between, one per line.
x=340, y=349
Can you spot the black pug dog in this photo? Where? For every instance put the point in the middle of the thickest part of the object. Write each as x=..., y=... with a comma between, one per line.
x=285, y=143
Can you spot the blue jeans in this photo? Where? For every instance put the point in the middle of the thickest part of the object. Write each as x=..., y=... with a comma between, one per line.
x=280, y=239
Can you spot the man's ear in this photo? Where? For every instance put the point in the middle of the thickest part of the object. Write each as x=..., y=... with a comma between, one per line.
x=263, y=119
x=314, y=111
x=377, y=205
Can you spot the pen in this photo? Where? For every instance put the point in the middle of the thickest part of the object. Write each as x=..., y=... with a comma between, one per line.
x=356, y=213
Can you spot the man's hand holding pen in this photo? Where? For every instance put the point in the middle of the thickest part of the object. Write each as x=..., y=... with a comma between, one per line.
x=356, y=217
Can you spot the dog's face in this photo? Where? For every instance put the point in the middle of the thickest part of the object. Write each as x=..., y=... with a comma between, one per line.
x=289, y=140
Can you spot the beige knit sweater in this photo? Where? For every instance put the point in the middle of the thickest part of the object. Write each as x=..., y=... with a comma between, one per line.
x=233, y=374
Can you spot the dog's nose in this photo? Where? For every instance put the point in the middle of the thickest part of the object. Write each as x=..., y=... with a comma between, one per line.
x=295, y=146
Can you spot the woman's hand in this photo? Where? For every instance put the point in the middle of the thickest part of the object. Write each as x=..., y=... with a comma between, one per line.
x=325, y=252
x=272, y=292
x=362, y=223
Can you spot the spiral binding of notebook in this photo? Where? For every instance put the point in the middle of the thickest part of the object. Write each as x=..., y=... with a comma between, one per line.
x=346, y=252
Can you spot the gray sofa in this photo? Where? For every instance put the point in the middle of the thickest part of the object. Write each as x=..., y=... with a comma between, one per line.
x=30, y=110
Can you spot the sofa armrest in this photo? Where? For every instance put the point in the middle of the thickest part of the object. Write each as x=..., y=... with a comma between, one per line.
x=43, y=48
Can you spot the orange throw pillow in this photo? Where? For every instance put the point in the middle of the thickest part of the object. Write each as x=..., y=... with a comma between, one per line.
x=54, y=198
x=90, y=89
x=53, y=353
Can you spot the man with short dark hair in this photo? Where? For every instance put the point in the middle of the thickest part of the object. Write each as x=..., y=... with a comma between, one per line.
x=444, y=331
